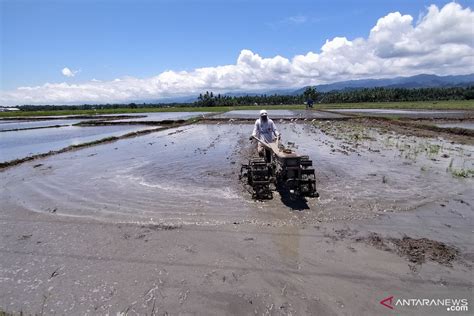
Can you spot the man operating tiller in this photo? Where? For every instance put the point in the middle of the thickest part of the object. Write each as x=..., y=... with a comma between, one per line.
x=264, y=131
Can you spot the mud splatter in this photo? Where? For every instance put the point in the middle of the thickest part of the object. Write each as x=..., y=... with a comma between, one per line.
x=417, y=251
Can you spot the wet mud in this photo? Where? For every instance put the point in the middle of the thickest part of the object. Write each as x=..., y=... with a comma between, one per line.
x=411, y=114
x=29, y=128
x=417, y=251
x=430, y=128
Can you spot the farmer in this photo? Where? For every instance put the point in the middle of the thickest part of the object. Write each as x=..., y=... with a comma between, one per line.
x=265, y=130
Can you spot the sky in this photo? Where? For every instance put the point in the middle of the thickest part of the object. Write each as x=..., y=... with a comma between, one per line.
x=103, y=51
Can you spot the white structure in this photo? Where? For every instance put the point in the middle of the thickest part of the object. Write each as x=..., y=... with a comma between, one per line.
x=6, y=108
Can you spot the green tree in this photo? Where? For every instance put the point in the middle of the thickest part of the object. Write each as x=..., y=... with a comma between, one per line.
x=310, y=93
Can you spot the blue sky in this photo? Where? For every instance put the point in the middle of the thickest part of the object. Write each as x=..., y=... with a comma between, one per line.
x=105, y=39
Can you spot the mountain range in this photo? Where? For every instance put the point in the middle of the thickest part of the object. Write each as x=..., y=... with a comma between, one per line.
x=413, y=82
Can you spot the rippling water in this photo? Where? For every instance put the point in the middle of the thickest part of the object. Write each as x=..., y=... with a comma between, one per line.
x=190, y=175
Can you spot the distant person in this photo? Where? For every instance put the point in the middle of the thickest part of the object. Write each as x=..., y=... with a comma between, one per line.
x=309, y=104
x=265, y=130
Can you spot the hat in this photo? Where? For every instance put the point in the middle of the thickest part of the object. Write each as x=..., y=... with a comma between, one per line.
x=263, y=113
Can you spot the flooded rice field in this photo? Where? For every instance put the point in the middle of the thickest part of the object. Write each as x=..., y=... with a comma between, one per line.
x=24, y=143
x=161, y=222
x=161, y=116
x=22, y=137
x=279, y=114
x=171, y=176
x=465, y=125
x=6, y=125
x=189, y=175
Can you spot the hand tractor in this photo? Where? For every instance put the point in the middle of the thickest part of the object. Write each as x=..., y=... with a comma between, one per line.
x=281, y=168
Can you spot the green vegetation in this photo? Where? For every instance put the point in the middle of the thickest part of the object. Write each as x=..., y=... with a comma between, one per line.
x=397, y=95
x=210, y=99
x=4, y=313
x=462, y=173
x=310, y=93
x=341, y=96
x=418, y=105
x=433, y=149
x=144, y=110
x=448, y=105
x=459, y=173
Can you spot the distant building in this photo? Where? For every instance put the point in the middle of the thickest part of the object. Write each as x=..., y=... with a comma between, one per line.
x=6, y=109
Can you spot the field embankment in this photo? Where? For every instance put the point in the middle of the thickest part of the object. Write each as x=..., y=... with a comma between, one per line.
x=421, y=105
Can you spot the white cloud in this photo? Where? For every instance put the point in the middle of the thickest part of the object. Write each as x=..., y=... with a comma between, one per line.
x=297, y=19
x=289, y=21
x=440, y=42
x=68, y=72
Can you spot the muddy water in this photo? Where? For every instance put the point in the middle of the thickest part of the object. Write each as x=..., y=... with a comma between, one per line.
x=465, y=125
x=19, y=144
x=178, y=178
x=15, y=124
x=366, y=171
x=160, y=116
x=190, y=175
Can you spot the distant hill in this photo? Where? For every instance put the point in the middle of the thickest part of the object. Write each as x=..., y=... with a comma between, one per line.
x=418, y=81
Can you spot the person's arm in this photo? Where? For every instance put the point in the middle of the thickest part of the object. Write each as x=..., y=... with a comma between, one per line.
x=275, y=131
x=256, y=130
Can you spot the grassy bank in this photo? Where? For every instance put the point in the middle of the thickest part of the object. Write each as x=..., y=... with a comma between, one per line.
x=144, y=110
x=447, y=105
x=421, y=105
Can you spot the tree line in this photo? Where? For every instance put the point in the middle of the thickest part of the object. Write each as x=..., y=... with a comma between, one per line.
x=211, y=99
x=397, y=95
x=309, y=94
x=341, y=96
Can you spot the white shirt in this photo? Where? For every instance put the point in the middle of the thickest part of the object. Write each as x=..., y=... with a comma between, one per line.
x=265, y=130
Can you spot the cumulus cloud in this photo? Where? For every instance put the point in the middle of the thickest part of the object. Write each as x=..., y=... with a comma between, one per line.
x=439, y=42
x=68, y=72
